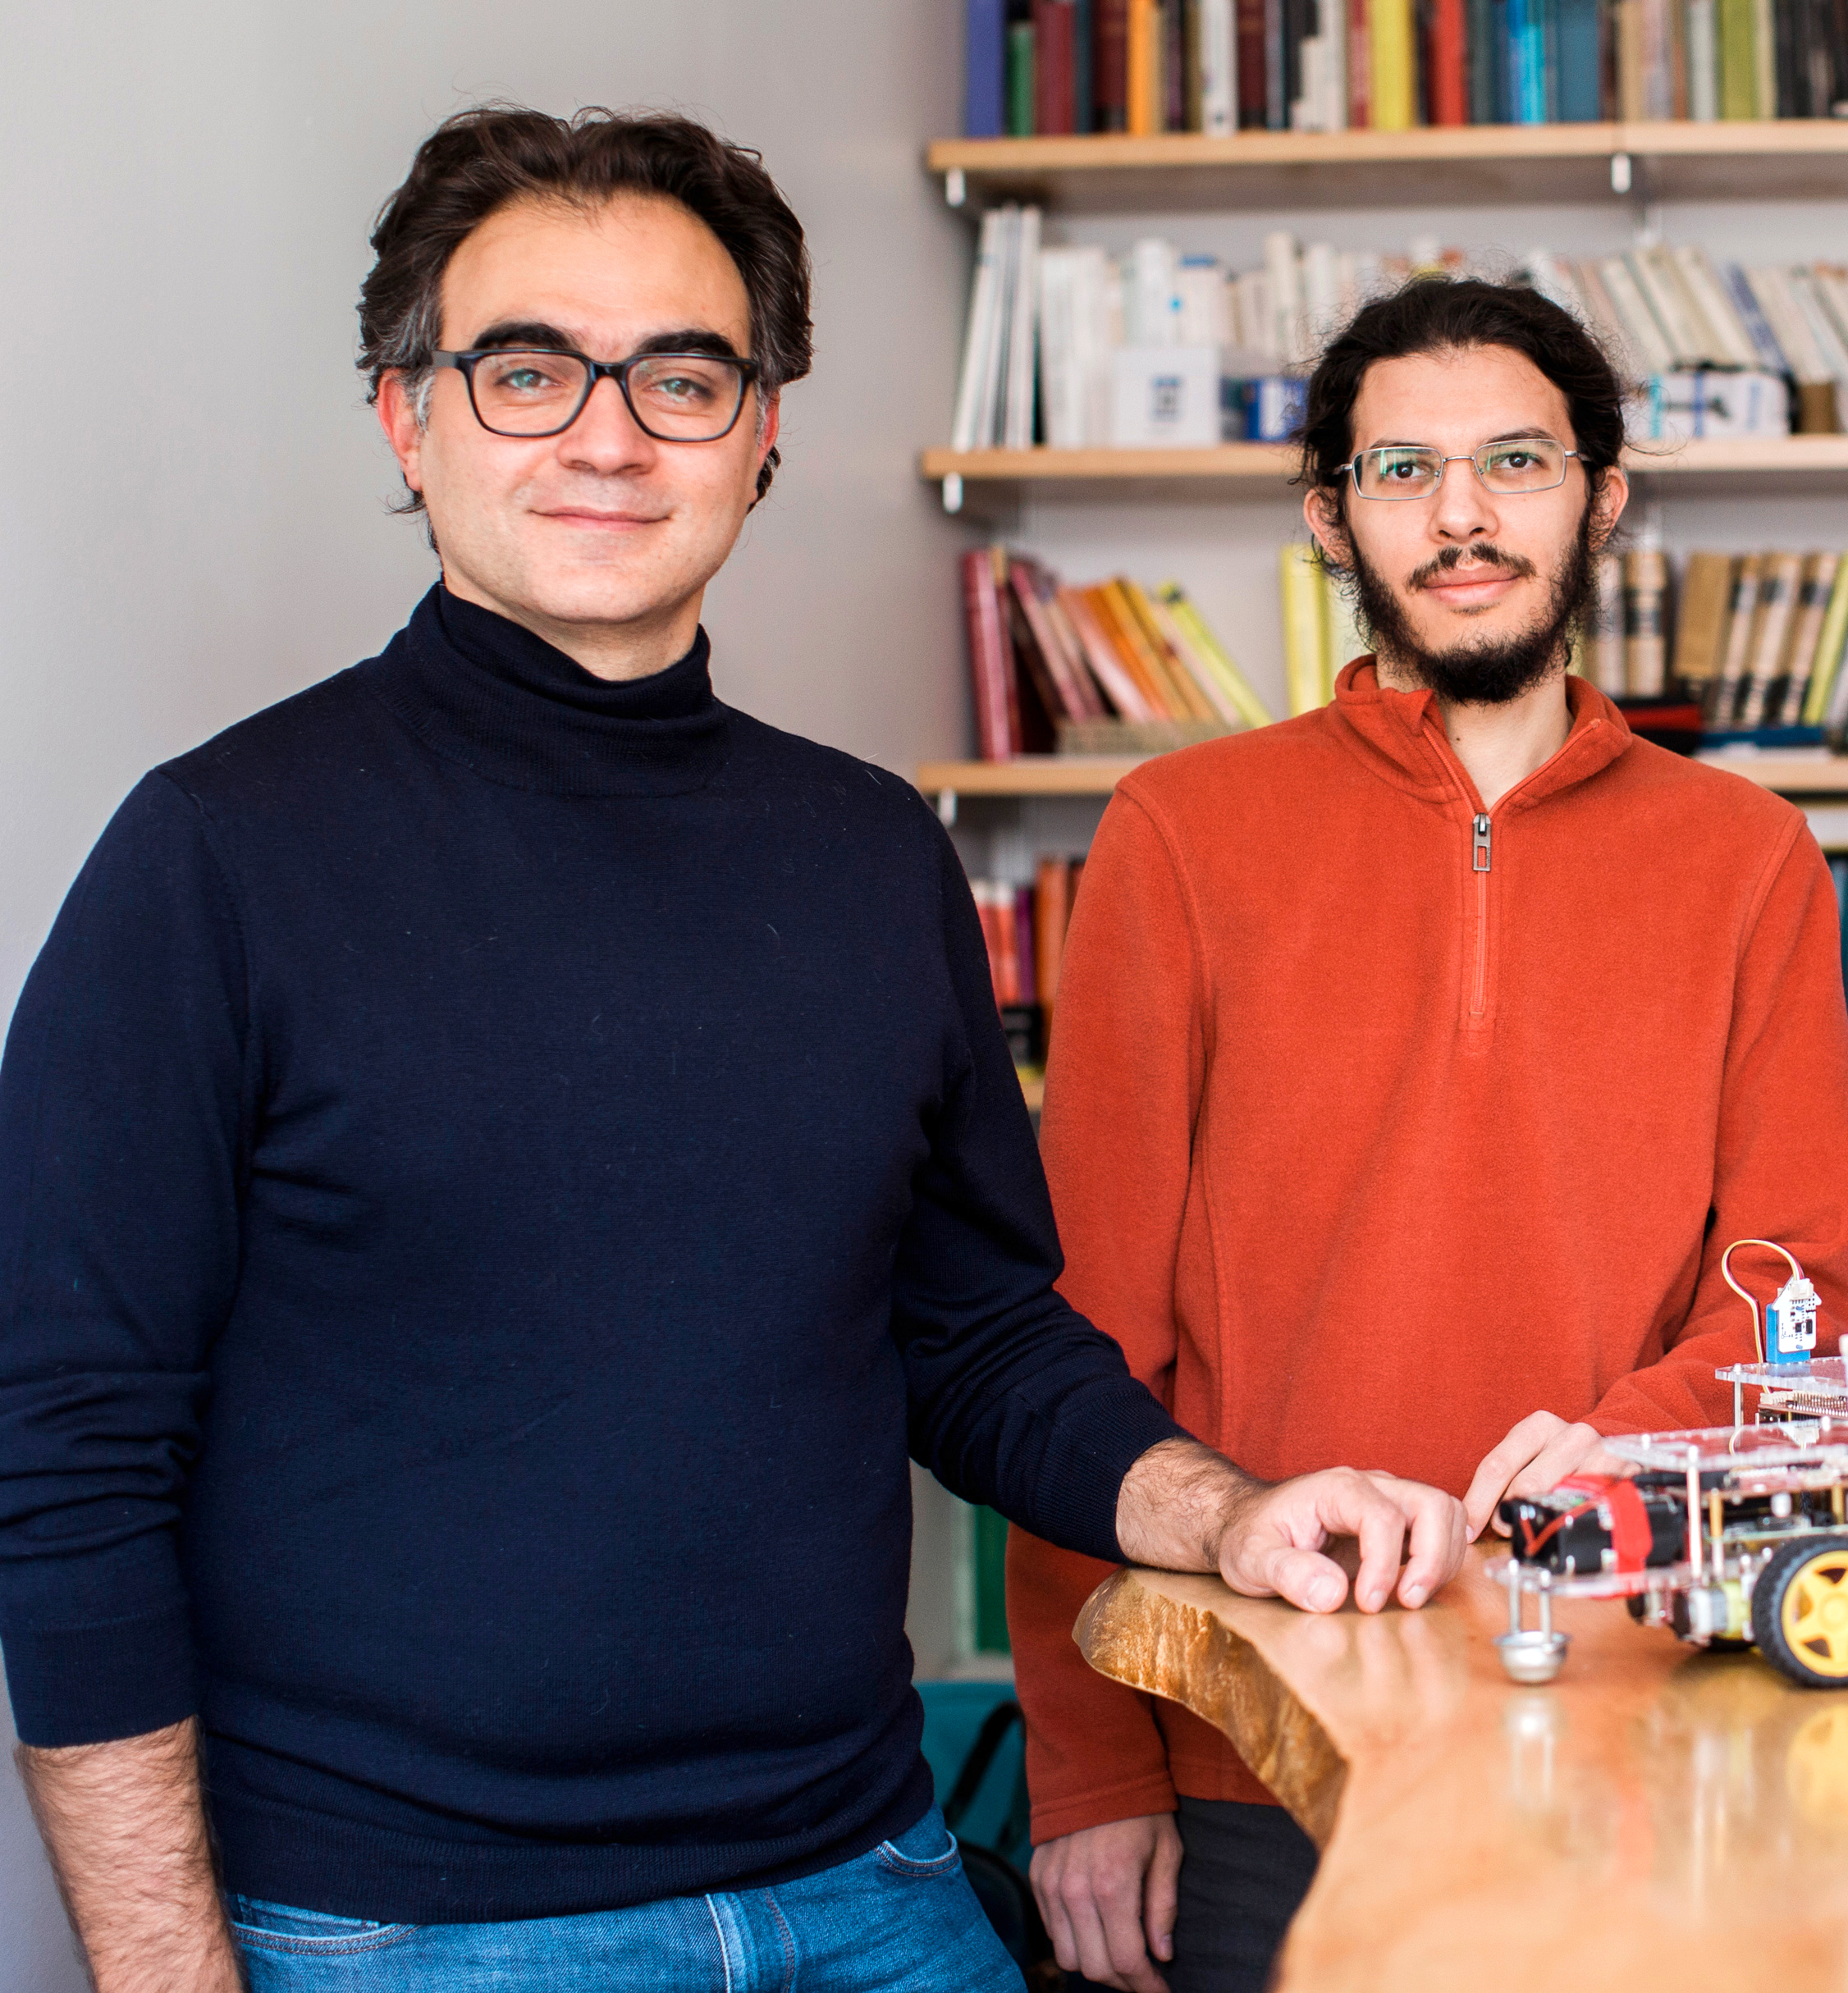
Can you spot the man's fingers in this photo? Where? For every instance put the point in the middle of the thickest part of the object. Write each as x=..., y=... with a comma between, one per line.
x=1381, y=1538
x=1503, y=1462
x=1306, y=1578
x=1044, y=1876
x=1439, y=1536
x=1161, y=1896
x=1119, y=1901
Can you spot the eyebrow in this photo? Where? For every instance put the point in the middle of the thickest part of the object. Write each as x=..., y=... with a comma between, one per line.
x=1507, y=436
x=530, y=332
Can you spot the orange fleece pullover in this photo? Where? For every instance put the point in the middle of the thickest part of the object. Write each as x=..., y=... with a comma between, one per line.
x=1369, y=1134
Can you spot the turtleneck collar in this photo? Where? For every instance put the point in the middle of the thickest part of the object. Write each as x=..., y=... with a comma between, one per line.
x=1401, y=736
x=483, y=691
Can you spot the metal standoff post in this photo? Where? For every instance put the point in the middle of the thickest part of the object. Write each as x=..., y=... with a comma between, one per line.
x=1532, y=1656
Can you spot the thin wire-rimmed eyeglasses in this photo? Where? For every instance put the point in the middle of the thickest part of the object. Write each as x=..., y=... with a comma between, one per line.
x=1515, y=467
x=530, y=391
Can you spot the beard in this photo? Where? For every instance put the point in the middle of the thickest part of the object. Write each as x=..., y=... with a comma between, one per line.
x=1491, y=671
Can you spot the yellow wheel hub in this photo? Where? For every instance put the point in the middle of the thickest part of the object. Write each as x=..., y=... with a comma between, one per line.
x=1814, y=1614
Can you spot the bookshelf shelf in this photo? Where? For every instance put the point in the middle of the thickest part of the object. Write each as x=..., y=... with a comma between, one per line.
x=1770, y=159
x=1780, y=461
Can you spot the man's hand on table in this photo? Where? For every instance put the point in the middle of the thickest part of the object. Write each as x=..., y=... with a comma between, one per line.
x=1108, y=1895
x=1183, y=1507
x=1537, y=1455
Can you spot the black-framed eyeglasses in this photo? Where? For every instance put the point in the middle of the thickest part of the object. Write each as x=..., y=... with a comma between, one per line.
x=532, y=391
x=1514, y=468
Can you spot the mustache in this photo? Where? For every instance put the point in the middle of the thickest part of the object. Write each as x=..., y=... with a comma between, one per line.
x=1482, y=554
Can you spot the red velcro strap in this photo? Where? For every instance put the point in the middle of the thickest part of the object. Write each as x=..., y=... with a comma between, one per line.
x=1631, y=1537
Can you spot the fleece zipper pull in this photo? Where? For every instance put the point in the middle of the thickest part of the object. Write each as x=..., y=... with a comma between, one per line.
x=1480, y=852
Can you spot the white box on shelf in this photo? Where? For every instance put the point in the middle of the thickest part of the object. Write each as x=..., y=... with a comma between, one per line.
x=1164, y=397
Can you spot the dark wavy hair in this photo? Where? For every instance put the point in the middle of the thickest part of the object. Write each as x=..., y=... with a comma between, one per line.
x=480, y=159
x=1435, y=314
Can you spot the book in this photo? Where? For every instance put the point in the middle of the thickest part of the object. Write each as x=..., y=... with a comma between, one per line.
x=1779, y=575
x=1305, y=627
x=1702, y=60
x=1052, y=916
x=1109, y=65
x=984, y=68
x=1218, y=67
x=1054, y=60
x=1716, y=306
x=965, y=429
x=1185, y=698
x=1784, y=703
x=1115, y=678
x=1700, y=626
x=1083, y=56
x=1446, y=63
x=1645, y=661
x=1742, y=615
x=1581, y=65
x=1017, y=424
x=1033, y=649
x=1738, y=77
x=1360, y=65
x=1180, y=647
x=1020, y=71
x=991, y=665
x=1391, y=93
x=1036, y=593
x=1254, y=90
x=1825, y=667
x=1143, y=84
x=1132, y=654
x=1276, y=70
x=1214, y=655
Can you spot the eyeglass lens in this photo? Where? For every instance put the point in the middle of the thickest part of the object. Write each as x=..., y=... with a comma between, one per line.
x=1526, y=463
x=682, y=398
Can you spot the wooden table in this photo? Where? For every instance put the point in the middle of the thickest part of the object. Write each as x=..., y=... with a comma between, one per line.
x=1657, y=1818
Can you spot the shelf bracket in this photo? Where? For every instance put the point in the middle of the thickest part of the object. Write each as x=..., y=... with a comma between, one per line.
x=955, y=187
x=953, y=493
x=946, y=808
x=1619, y=172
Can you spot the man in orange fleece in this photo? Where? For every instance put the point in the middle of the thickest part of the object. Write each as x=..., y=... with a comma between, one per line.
x=1416, y=1060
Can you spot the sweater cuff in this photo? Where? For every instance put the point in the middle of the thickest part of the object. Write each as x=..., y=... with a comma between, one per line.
x=94, y=1684
x=1100, y=1441
x=1152, y=1793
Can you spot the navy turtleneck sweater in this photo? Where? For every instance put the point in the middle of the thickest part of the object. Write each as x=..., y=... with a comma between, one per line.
x=497, y=1170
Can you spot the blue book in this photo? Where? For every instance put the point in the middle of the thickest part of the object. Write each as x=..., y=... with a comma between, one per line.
x=1084, y=111
x=1549, y=60
x=1532, y=63
x=985, y=70
x=1499, y=63
x=1580, y=65
x=1514, y=61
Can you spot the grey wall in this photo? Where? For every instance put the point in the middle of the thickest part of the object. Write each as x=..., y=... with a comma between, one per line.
x=193, y=510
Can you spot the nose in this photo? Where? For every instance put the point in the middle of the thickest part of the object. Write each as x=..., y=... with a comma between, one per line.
x=1462, y=507
x=606, y=438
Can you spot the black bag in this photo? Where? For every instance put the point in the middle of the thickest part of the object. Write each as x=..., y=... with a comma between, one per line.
x=1005, y=1894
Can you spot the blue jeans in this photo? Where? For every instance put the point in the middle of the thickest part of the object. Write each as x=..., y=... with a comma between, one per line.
x=900, y=1918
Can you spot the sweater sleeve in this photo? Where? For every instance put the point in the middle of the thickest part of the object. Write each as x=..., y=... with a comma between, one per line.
x=1123, y=1089
x=121, y=1106
x=1780, y=1155
x=1015, y=1399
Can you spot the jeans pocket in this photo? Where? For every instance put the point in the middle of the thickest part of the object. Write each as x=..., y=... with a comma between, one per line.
x=920, y=1851
x=280, y=1927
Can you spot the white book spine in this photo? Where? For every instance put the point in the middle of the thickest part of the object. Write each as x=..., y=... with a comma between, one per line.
x=1644, y=334
x=1787, y=325
x=1704, y=62
x=1820, y=321
x=1091, y=285
x=995, y=370
x=1684, y=342
x=1219, y=69
x=1017, y=433
x=1284, y=282
x=1150, y=308
x=1061, y=386
x=1321, y=292
x=978, y=337
x=1721, y=313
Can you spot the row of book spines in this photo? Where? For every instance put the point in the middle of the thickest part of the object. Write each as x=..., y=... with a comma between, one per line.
x=1761, y=638
x=1150, y=65
x=1025, y=927
x=1041, y=652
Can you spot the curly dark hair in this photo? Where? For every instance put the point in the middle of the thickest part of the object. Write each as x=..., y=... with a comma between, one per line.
x=480, y=159
x=1436, y=314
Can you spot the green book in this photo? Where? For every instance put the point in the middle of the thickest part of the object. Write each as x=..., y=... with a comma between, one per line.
x=1020, y=80
x=1739, y=87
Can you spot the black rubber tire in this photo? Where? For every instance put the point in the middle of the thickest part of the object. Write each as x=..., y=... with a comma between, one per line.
x=1767, y=1608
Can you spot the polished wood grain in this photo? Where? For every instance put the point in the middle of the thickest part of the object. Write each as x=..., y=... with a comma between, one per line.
x=1655, y=1819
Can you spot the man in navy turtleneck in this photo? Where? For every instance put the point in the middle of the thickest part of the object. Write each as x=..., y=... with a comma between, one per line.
x=501, y=1158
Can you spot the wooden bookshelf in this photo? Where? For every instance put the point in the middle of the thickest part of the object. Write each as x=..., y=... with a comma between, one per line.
x=1242, y=468
x=1771, y=159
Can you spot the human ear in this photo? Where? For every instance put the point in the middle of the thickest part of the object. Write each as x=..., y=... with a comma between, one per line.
x=769, y=425
x=1321, y=512
x=398, y=418
x=1607, y=507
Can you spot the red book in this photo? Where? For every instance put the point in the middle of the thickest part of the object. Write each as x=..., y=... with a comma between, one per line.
x=1055, y=37
x=1109, y=65
x=1447, y=66
x=991, y=656
x=1253, y=86
x=1360, y=66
